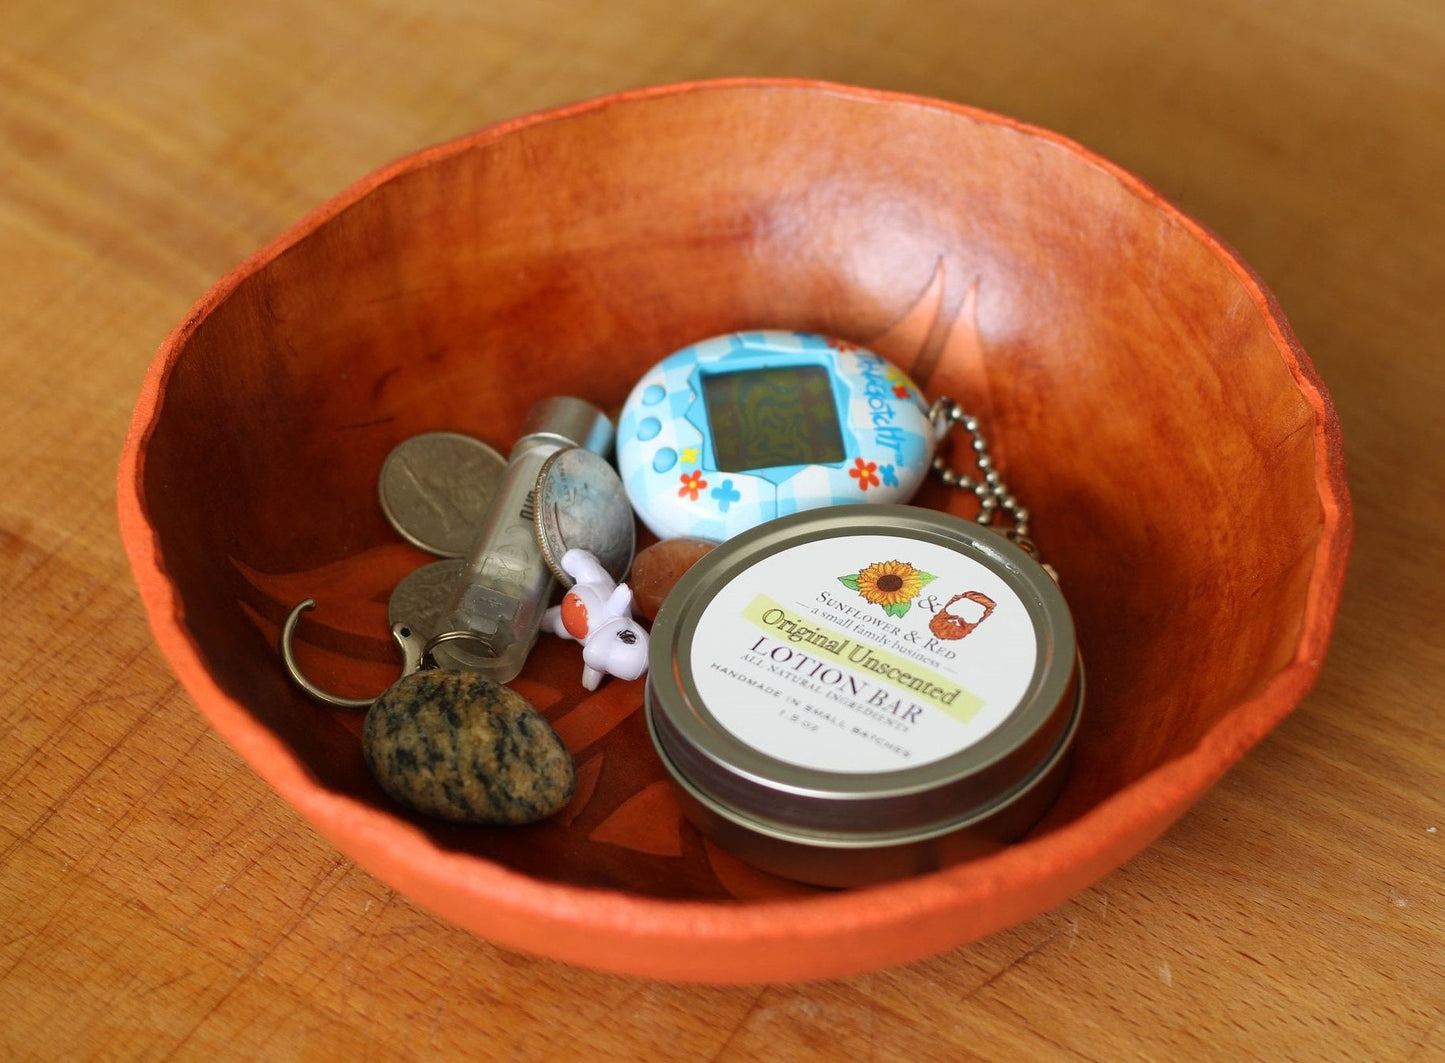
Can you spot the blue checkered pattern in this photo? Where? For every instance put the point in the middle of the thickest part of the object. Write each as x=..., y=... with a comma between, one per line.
x=666, y=459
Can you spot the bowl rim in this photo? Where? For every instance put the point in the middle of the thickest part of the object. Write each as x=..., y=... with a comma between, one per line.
x=770, y=940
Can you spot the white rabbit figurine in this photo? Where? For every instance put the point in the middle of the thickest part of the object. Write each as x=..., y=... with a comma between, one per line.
x=597, y=612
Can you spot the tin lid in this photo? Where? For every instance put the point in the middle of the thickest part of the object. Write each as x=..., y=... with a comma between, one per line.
x=862, y=671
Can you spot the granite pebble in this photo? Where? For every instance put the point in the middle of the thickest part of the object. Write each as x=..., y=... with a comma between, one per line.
x=459, y=747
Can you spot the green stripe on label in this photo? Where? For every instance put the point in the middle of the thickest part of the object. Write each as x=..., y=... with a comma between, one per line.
x=904, y=675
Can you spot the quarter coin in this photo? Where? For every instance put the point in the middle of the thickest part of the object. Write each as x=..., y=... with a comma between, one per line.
x=420, y=599
x=580, y=504
x=436, y=487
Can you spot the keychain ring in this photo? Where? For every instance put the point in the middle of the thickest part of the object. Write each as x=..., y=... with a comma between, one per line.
x=412, y=652
x=459, y=635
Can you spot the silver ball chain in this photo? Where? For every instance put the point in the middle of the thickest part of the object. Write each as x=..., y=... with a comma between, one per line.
x=997, y=504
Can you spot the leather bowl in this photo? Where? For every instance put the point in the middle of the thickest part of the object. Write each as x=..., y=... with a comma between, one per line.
x=1142, y=390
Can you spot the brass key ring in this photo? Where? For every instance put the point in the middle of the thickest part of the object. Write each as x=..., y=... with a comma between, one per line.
x=414, y=655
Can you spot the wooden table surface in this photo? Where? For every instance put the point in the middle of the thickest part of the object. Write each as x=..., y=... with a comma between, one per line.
x=157, y=899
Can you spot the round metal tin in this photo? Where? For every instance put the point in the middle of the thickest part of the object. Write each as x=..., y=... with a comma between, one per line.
x=851, y=695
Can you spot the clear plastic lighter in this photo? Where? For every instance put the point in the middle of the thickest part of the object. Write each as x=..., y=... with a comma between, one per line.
x=507, y=585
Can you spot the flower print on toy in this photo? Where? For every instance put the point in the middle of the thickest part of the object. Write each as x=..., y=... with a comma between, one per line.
x=597, y=612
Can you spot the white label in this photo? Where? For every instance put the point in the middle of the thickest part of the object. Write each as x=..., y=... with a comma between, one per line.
x=864, y=653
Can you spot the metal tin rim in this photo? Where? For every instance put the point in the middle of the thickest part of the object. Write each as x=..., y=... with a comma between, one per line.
x=863, y=840
x=760, y=787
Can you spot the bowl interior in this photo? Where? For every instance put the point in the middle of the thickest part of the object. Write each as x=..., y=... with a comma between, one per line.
x=1141, y=396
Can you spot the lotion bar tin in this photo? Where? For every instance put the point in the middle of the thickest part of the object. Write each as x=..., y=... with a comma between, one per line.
x=848, y=695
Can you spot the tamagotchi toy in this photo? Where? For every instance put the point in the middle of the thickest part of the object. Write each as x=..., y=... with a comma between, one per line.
x=746, y=427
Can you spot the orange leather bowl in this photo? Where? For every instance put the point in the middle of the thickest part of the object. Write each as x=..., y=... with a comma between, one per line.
x=1144, y=393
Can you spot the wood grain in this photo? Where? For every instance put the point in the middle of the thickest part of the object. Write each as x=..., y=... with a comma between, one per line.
x=158, y=900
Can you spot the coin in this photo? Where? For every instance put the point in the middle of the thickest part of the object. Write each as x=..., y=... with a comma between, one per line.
x=581, y=504
x=420, y=599
x=436, y=487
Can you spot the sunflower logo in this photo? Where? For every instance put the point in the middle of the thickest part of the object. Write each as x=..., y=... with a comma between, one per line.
x=891, y=584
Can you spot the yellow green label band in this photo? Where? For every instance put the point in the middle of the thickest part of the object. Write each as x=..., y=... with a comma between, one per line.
x=897, y=672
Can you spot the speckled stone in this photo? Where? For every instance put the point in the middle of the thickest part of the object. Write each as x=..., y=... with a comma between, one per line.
x=656, y=570
x=461, y=748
